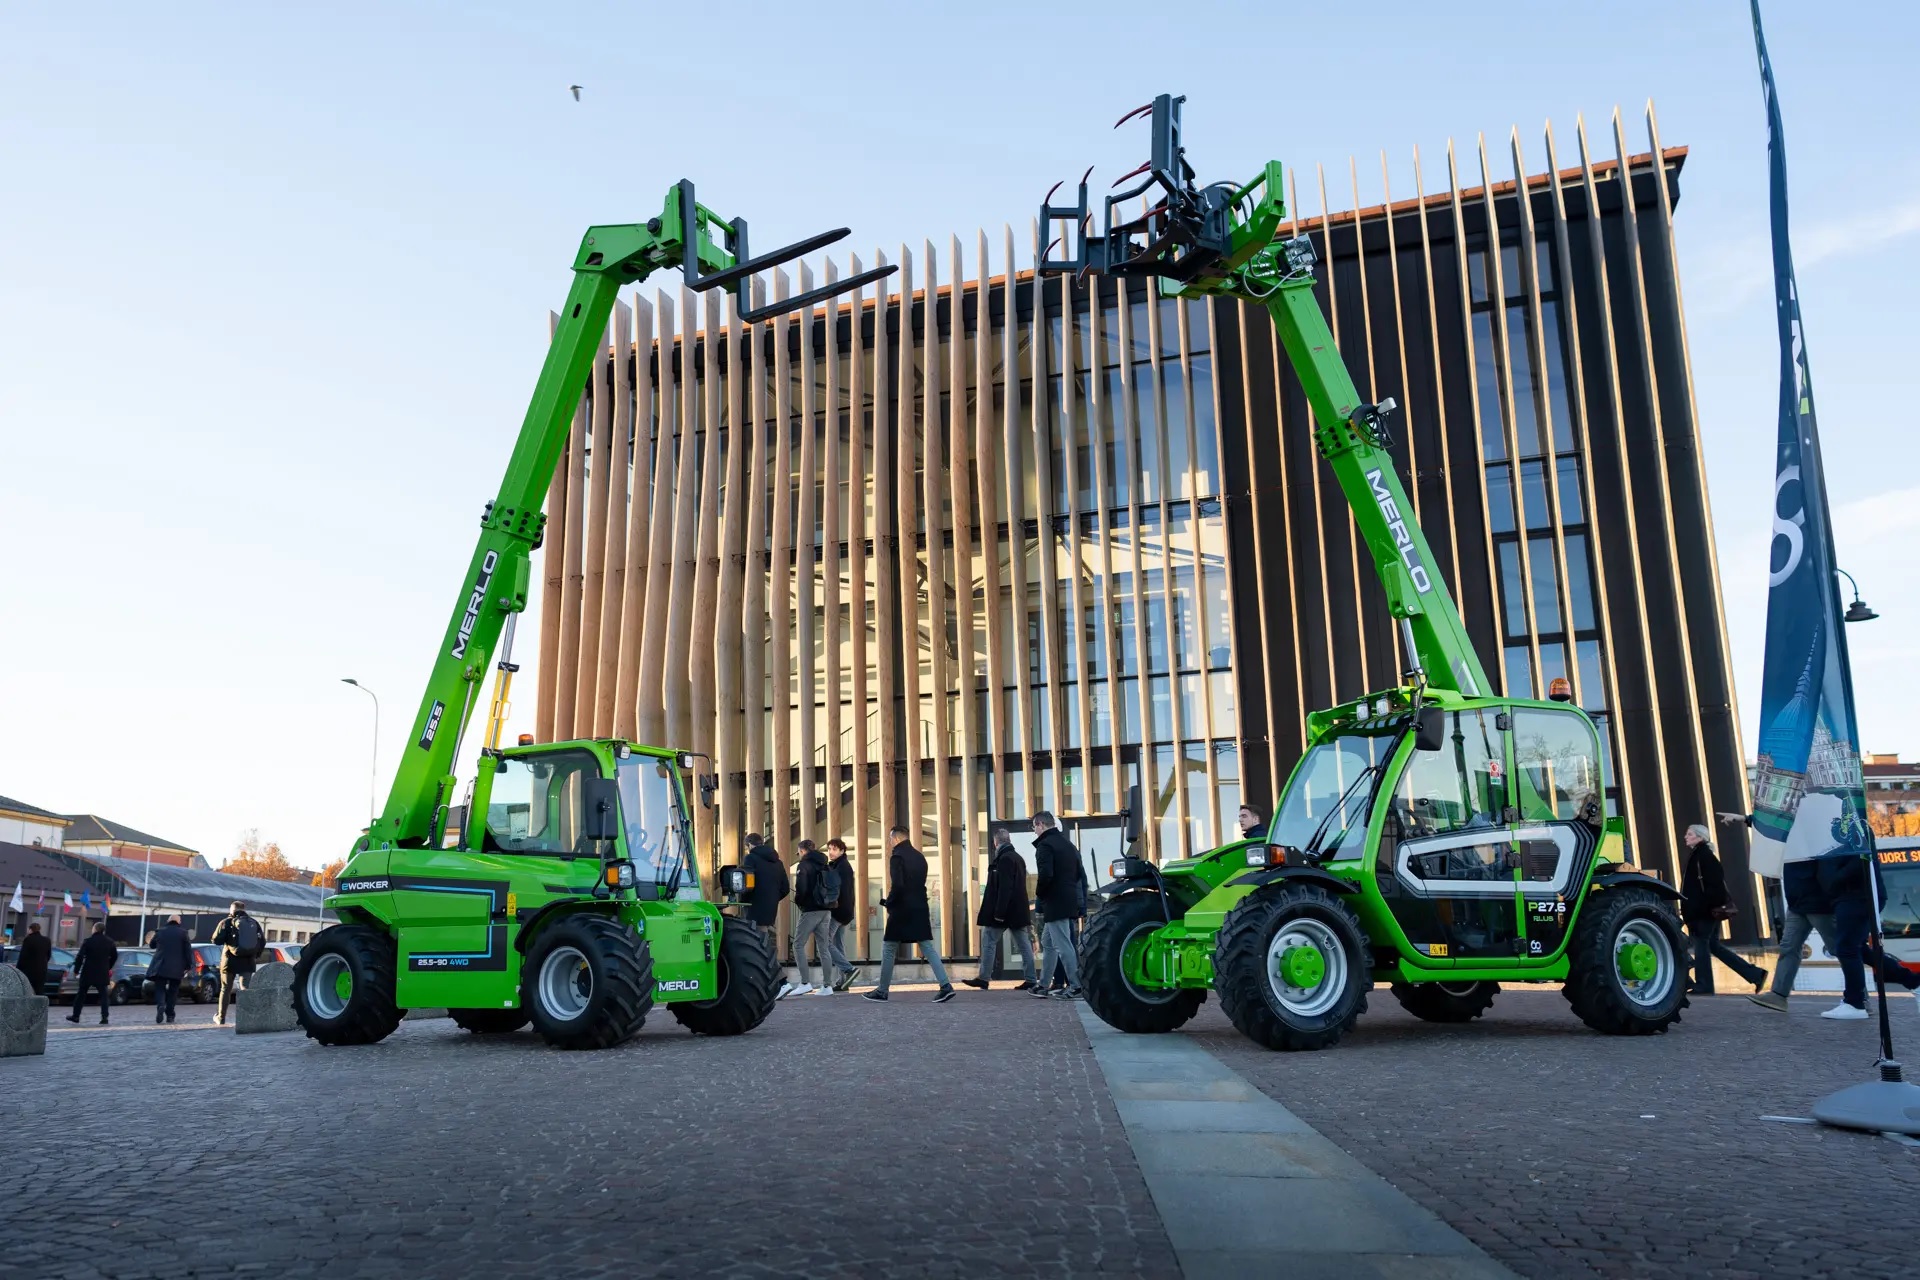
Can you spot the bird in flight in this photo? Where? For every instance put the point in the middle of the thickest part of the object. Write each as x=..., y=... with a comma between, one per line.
x=576, y=91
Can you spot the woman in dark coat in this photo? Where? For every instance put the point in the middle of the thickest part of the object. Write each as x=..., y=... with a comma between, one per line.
x=1004, y=911
x=909, y=917
x=1704, y=903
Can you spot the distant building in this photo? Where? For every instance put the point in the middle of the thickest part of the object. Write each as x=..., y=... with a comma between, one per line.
x=25, y=824
x=45, y=884
x=1893, y=794
x=99, y=837
x=289, y=912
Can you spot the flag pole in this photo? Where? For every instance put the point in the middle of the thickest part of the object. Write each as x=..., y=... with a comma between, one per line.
x=1794, y=771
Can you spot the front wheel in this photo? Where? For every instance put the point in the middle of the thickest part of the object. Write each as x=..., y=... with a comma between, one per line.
x=1446, y=1001
x=1626, y=976
x=343, y=986
x=1110, y=952
x=588, y=983
x=1292, y=967
x=747, y=978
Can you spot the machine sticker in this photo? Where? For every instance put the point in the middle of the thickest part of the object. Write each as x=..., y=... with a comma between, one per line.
x=476, y=598
x=1402, y=538
x=513, y=904
x=433, y=724
x=1436, y=948
x=681, y=984
x=377, y=884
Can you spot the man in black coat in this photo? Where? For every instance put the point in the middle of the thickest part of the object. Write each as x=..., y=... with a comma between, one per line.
x=1061, y=886
x=769, y=888
x=35, y=952
x=842, y=912
x=1704, y=903
x=95, y=961
x=172, y=957
x=1003, y=912
x=909, y=916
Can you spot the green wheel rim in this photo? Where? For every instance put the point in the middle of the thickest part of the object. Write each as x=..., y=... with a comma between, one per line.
x=343, y=985
x=1637, y=962
x=1303, y=966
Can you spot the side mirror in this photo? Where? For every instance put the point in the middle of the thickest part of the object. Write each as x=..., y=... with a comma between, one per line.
x=1133, y=815
x=603, y=809
x=709, y=783
x=1430, y=730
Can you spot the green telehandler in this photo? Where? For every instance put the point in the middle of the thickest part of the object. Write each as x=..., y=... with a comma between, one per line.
x=1433, y=836
x=564, y=892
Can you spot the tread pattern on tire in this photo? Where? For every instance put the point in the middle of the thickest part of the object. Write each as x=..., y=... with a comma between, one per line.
x=489, y=1022
x=1428, y=1002
x=626, y=978
x=372, y=1013
x=1240, y=965
x=1592, y=987
x=751, y=986
x=1108, y=993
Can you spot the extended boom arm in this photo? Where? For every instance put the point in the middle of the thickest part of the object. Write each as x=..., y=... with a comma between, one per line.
x=1220, y=240
x=494, y=590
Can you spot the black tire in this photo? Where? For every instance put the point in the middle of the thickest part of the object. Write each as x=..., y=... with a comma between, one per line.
x=587, y=982
x=1113, y=999
x=489, y=1022
x=748, y=976
x=1241, y=968
x=1446, y=1001
x=365, y=1013
x=119, y=993
x=1601, y=995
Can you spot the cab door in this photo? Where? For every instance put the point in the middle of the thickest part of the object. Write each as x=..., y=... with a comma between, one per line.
x=1448, y=853
x=1556, y=799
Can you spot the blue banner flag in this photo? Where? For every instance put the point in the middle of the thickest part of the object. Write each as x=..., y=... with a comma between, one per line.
x=1808, y=797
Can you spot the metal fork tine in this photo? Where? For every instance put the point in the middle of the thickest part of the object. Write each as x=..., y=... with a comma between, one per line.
x=811, y=296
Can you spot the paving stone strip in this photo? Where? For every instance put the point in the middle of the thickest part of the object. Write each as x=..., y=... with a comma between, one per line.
x=1245, y=1187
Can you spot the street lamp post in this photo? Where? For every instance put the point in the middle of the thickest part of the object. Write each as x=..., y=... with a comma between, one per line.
x=373, y=775
x=1858, y=610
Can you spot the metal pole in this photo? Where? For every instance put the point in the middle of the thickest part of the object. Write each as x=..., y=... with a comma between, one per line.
x=373, y=774
x=146, y=880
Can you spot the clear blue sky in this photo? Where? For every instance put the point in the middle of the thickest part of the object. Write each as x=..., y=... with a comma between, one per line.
x=274, y=284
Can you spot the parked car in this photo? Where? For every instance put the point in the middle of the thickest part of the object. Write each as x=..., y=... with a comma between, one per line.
x=284, y=952
x=130, y=975
x=202, y=982
x=59, y=962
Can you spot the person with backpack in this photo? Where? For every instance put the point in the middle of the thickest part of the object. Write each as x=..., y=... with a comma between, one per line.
x=1061, y=885
x=816, y=891
x=842, y=912
x=242, y=942
x=1003, y=913
x=95, y=961
x=768, y=891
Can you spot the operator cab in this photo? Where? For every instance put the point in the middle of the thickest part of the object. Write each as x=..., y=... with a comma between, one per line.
x=1487, y=814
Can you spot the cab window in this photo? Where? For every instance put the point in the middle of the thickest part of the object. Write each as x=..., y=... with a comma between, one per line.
x=1462, y=786
x=538, y=803
x=655, y=823
x=1556, y=764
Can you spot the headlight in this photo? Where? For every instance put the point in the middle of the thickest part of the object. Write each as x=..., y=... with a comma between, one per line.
x=1256, y=857
x=1117, y=868
x=620, y=875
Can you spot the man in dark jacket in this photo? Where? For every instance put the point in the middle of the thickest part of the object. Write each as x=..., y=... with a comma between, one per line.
x=172, y=957
x=95, y=961
x=816, y=890
x=1003, y=912
x=909, y=917
x=842, y=912
x=1704, y=903
x=769, y=889
x=241, y=941
x=35, y=952
x=1062, y=890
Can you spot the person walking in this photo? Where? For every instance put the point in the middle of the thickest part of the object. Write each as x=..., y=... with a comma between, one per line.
x=172, y=957
x=842, y=914
x=1003, y=913
x=909, y=917
x=94, y=962
x=241, y=940
x=35, y=952
x=816, y=890
x=1704, y=904
x=1062, y=890
x=768, y=891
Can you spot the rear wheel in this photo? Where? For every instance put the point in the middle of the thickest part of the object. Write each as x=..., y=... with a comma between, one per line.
x=588, y=983
x=1446, y=1001
x=489, y=1022
x=1626, y=974
x=343, y=987
x=748, y=979
x=1292, y=967
x=1110, y=950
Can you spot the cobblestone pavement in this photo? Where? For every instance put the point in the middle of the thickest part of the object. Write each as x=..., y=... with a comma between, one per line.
x=841, y=1139
x=1565, y=1153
